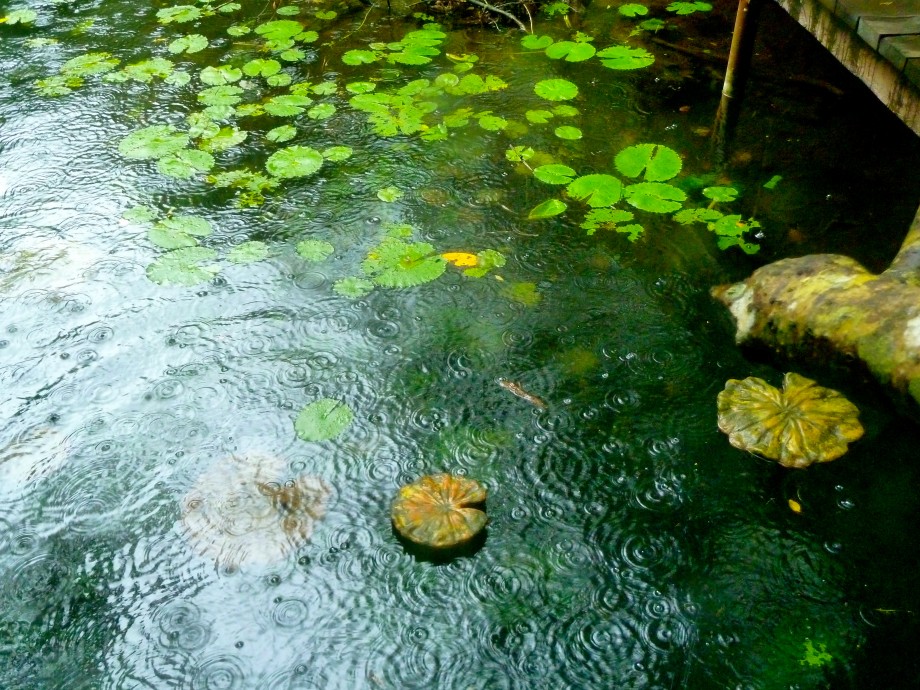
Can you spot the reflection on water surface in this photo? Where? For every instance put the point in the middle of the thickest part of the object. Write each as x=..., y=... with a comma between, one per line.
x=628, y=543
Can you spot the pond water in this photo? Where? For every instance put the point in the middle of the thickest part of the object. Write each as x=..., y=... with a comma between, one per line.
x=629, y=545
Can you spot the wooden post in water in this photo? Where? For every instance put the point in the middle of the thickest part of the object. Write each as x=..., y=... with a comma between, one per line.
x=739, y=63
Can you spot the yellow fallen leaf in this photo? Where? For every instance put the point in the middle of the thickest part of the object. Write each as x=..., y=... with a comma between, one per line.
x=460, y=259
x=795, y=506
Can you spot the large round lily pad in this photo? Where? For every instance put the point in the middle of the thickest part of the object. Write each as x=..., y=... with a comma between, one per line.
x=440, y=510
x=250, y=510
x=802, y=424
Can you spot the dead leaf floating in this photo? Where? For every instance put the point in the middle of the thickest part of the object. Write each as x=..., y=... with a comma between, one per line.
x=800, y=425
x=440, y=510
x=248, y=510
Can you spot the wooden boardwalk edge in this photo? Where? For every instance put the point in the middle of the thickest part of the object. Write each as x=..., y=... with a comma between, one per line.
x=890, y=84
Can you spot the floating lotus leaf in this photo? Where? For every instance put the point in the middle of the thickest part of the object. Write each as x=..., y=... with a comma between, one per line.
x=440, y=510
x=249, y=510
x=802, y=424
x=397, y=264
x=556, y=89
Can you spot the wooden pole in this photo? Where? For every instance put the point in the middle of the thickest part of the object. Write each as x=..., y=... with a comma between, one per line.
x=736, y=72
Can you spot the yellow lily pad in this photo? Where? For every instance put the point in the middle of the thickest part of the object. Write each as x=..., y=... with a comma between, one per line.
x=440, y=510
x=800, y=425
x=460, y=259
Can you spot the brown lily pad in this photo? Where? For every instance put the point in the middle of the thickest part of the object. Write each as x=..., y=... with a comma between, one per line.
x=440, y=510
x=802, y=424
x=249, y=510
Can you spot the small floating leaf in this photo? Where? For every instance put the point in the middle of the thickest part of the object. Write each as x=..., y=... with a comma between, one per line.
x=548, y=209
x=357, y=87
x=689, y=7
x=155, y=141
x=596, y=190
x=282, y=133
x=146, y=70
x=287, y=11
x=315, y=250
x=534, y=42
x=353, y=287
x=192, y=43
x=179, y=231
x=720, y=194
x=220, y=95
x=555, y=89
x=389, y=194
x=625, y=58
x=322, y=111
x=554, y=173
x=325, y=15
x=226, y=137
x=565, y=110
x=440, y=511
x=659, y=162
x=222, y=74
x=185, y=163
x=538, y=117
x=800, y=425
x=571, y=51
x=568, y=132
x=279, y=29
x=772, y=182
x=516, y=154
x=261, y=67
x=656, y=197
x=605, y=218
x=323, y=419
x=359, y=57
x=89, y=64
x=294, y=161
x=486, y=261
x=183, y=267
x=337, y=153
x=632, y=9
x=248, y=252
x=287, y=105
x=179, y=14
x=697, y=215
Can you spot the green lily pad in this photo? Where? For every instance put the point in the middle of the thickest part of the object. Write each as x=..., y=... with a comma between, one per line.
x=155, y=141
x=565, y=110
x=337, y=153
x=185, y=163
x=220, y=95
x=321, y=111
x=88, y=64
x=538, y=117
x=353, y=287
x=179, y=14
x=523, y=293
x=146, y=70
x=689, y=7
x=315, y=250
x=220, y=75
x=294, y=161
x=697, y=215
x=720, y=194
x=632, y=9
x=656, y=197
x=287, y=10
x=359, y=57
x=179, y=231
x=568, y=132
x=140, y=214
x=534, y=42
x=287, y=105
x=357, y=87
x=596, y=190
x=178, y=77
x=659, y=162
x=397, y=264
x=570, y=50
x=261, y=67
x=326, y=88
x=326, y=15
x=492, y=123
x=389, y=194
x=282, y=133
x=554, y=173
x=516, y=154
x=21, y=17
x=226, y=138
x=183, y=267
x=548, y=209
x=191, y=43
x=279, y=29
x=556, y=89
x=625, y=58
x=598, y=218
x=248, y=252
x=323, y=419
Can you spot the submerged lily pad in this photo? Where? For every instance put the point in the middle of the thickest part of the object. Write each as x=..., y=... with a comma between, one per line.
x=353, y=287
x=248, y=252
x=155, y=141
x=294, y=161
x=440, y=510
x=315, y=250
x=323, y=419
x=250, y=510
x=800, y=425
x=184, y=266
x=397, y=264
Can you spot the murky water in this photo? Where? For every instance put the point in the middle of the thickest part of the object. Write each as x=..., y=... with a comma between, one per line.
x=629, y=545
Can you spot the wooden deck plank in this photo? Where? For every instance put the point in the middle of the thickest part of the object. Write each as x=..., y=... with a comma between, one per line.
x=899, y=49
x=850, y=11
x=892, y=75
x=874, y=29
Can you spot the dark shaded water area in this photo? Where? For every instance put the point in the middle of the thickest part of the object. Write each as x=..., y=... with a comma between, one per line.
x=629, y=545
